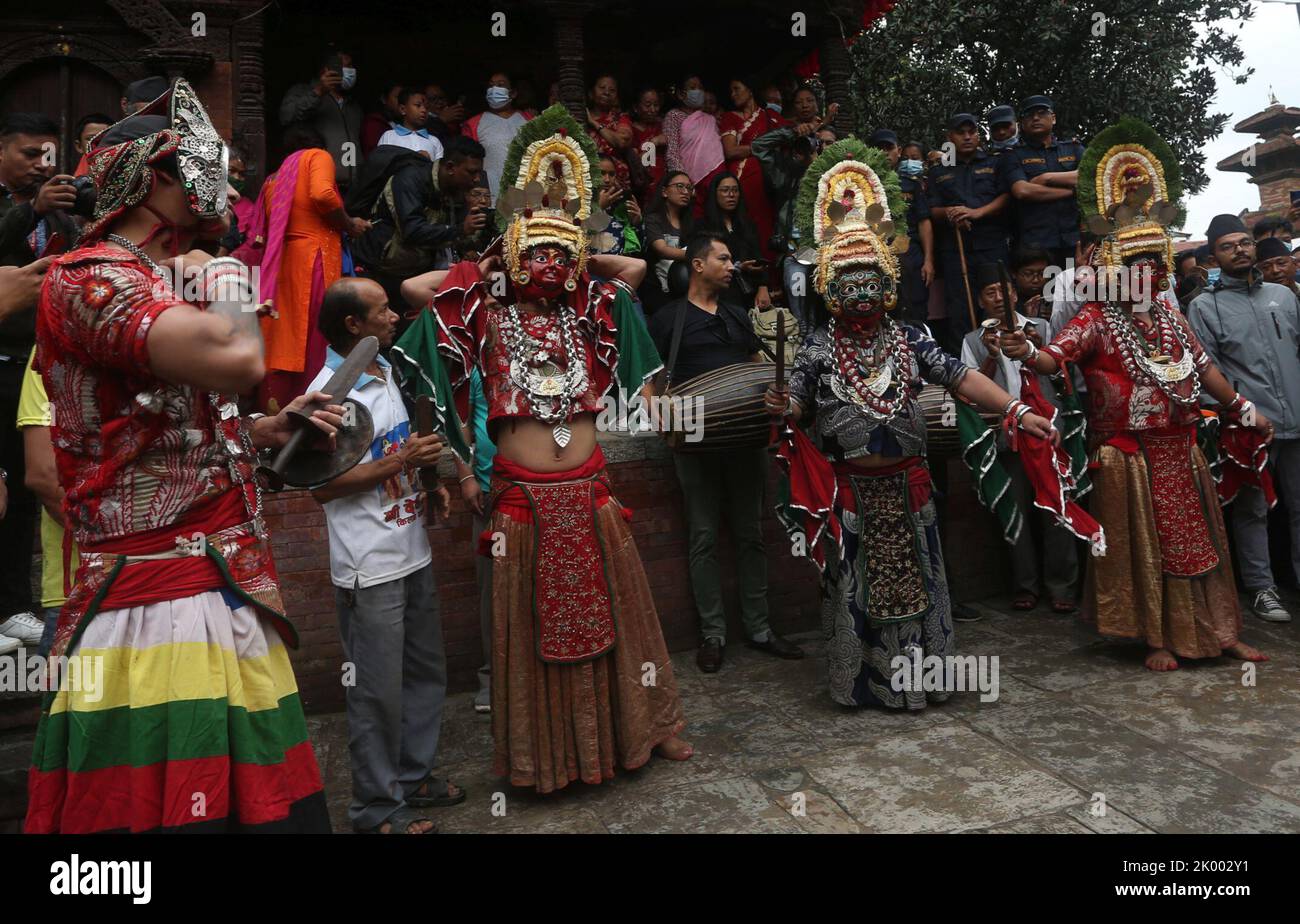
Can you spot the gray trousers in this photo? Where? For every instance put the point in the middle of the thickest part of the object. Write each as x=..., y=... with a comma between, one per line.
x=1250, y=518
x=1056, y=545
x=714, y=483
x=483, y=576
x=392, y=635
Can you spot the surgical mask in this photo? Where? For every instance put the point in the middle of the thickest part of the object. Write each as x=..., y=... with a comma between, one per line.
x=498, y=97
x=695, y=98
x=775, y=107
x=349, y=78
x=910, y=167
x=1005, y=143
x=1212, y=275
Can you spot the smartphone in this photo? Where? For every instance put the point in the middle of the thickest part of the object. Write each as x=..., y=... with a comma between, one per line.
x=1295, y=198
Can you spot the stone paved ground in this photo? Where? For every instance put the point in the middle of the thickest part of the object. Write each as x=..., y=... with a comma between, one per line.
x=1191, y=751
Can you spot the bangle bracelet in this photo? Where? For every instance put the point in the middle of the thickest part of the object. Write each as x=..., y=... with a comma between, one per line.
x=467, y=478
x=1022, y=411
x=1009, y=405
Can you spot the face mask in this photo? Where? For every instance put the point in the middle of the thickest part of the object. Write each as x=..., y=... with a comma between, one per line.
x=497, y=97
x=238, y=185
x=1213, y=275
x=910, y=168
x=695, y=98
x=775, y=107
x=349, y=78
x=1005, y=143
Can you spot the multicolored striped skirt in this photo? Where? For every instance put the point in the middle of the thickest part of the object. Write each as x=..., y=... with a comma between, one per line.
x=177, y=716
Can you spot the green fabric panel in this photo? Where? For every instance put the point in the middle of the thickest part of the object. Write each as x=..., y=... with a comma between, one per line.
x=422, y=372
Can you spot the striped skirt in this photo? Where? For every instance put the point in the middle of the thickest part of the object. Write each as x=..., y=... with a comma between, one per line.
x=177, y=716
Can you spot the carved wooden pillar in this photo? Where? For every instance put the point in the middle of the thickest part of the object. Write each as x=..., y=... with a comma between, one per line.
x=840, y=23
x=569, y=54
x=250, y=120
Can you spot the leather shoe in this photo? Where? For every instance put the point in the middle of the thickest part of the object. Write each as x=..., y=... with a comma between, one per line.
x=775, y=645
x=709, y=657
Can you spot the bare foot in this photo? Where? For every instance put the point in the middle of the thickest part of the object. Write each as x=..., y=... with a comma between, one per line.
x=675, y=749
x=1161, y=659
x=1245, y=652
x=417, y=826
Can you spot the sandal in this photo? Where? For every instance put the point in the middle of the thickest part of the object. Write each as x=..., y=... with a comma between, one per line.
x=440, y=794
x=1024, y=601
x=1064, y=607
x=399, y=822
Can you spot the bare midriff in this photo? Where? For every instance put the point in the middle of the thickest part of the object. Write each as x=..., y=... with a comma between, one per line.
x=874, y=460
x=528, y=442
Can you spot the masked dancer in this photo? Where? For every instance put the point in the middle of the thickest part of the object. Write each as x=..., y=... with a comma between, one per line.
x=581, y=681
x=865, y=485
x=1165, y=578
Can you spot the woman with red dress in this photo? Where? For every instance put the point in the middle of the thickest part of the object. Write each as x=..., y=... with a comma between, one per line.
x=647, y=128
x=610, y=128
x=739, y=127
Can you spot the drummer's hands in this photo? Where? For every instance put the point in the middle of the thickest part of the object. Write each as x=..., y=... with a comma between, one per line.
x=422, y=451
x=274, y=432
x=1014, y=344
x=1040, y=427
x=777, y=401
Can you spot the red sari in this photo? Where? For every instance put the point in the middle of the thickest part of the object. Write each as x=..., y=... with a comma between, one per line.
x=647, y=177
x=750, y=172
x=618, y=121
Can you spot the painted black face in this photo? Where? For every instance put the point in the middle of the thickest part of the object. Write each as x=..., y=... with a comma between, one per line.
x=859, y=293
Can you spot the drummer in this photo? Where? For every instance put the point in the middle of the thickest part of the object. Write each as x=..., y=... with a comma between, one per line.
x=1059, y=569
x=716, y=333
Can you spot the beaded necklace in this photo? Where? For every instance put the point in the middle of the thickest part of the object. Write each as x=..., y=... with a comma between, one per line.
x=864, y=374
x=536, y=371
x=1153, y=362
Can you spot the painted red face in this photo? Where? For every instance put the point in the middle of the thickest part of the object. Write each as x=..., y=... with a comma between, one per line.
x=548, y=269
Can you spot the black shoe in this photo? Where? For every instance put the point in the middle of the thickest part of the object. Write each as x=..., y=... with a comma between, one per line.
x=963, y=613
x=709, y=657
x=775, y=645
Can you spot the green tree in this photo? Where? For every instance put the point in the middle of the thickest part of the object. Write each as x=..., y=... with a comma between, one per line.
x=1154, y=59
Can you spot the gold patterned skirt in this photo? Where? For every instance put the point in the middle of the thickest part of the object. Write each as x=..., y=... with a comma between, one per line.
x=1166, y=577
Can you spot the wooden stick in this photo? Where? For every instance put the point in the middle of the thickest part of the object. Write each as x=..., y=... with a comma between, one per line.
x=965, y=278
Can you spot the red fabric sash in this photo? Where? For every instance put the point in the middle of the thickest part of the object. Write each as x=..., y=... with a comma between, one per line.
x=1244, y=452
x=813, y=490
x=919, y=485
x=1047, y=468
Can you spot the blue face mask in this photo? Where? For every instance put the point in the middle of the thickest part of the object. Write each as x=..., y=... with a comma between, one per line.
x=497, y=97
x=910, y=168
x=695, y=98
x=775, y=107
x=1212, y=275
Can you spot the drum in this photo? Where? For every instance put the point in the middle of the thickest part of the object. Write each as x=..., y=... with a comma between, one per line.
x=940, y=411
x=722, y=410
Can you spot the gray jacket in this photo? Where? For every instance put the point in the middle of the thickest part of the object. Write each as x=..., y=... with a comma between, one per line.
x=338, y=123
x=1251, y=329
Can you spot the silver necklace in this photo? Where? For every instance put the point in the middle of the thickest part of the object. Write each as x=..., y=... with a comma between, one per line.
x=135, y=251
x=533, y=370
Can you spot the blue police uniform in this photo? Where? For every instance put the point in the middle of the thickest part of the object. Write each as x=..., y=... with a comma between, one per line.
x=916, y=294
x=974, y=184
x=1052, y=226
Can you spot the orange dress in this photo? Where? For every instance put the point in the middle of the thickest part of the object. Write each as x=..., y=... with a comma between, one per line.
x=309, y=238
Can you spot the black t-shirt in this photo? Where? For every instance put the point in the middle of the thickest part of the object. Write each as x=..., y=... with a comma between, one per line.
x=709, y=341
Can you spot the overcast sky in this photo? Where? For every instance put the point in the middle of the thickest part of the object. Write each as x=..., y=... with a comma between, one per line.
x=1271, y=42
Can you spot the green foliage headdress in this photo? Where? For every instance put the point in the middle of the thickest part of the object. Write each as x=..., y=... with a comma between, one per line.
x=1128, y=191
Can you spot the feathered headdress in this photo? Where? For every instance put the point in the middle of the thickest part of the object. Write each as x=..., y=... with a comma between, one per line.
x=548, y=190
x=849, y=201
x=1128, y=192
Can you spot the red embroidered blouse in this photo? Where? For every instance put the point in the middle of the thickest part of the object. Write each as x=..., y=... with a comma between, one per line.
x=1116, y=402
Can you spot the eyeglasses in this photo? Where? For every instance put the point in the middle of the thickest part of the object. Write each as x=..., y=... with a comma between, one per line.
x=1240, y=245
x=683, y=187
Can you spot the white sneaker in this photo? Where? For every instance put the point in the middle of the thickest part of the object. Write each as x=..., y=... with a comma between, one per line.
x=27, y=628
x=1267, y=606
x=8, y=644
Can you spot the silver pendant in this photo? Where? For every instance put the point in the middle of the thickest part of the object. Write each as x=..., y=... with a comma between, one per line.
x=562, y=435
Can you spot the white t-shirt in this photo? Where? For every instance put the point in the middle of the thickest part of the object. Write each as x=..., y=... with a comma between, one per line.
x=376, y=535
x=415, y=141
x=495, y=134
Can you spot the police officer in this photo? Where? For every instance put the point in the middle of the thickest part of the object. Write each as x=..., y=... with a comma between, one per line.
x=1042, y=172
x=918, y=261
x=968, y=200
x=1004, y=131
